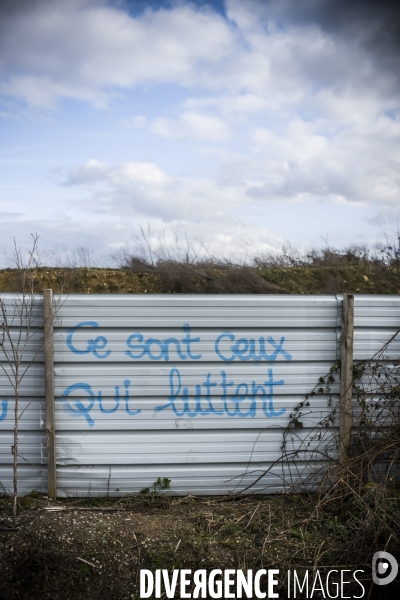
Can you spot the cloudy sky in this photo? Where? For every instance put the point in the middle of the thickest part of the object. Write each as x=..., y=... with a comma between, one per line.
x=235, y=122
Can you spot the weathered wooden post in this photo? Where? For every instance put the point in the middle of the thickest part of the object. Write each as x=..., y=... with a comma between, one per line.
x=346, y=376
x=49, y=383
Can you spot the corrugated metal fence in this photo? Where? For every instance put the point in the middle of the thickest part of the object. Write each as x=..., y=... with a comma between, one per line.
x=191, y=388
x=32, y=469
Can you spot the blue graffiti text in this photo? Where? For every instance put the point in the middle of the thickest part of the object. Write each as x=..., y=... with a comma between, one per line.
x=4, y=407
x=244, y=349
x=160, y=349
x=82, y=403
x=99, y=343
x=236, y=400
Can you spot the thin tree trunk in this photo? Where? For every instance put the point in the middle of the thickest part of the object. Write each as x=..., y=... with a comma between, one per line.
x=15, y=447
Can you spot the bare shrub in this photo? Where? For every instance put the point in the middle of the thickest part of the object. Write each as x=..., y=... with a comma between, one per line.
x=184, y=266
x=181, y=265
x=21, y=336
x=357, y=497
x=19, y=324
x=353, y=255
x=209, y=278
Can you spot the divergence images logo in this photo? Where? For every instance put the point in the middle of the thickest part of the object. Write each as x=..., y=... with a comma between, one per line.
x=384, y=568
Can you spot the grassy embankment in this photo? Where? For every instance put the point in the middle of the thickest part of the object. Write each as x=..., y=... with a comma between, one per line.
x=356, y=279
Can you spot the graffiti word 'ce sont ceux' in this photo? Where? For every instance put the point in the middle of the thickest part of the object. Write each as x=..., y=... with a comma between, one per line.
x=226, y=346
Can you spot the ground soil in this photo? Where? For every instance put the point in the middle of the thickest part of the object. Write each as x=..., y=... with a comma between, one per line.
x=95, y=548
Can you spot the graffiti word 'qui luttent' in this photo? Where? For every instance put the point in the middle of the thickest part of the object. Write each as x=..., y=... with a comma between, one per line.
x=210, y=397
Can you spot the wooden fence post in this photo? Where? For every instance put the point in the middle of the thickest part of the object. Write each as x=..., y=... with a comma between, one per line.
x=346, y=376
x=49, y=382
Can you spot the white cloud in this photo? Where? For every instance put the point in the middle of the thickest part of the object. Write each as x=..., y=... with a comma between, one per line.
x=91, y=51
x=77, y=49
x=136, y=122
x=192, y=125
x=92, y=171
x=357, y=163
x=270, y=109
x=139, y=173
x=142, y=188
x=231, y=105
x=125, y=174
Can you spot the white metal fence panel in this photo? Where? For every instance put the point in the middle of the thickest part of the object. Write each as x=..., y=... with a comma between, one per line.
x=26, y=326
x=376, y=320
x=196, y=389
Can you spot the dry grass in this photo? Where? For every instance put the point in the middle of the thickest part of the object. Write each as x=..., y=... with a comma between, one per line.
x=212, y=279
x=160, y=262
x=83, y=281
x=41, y=555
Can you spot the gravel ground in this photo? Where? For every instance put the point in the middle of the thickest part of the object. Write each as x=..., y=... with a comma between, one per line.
x=95, y=548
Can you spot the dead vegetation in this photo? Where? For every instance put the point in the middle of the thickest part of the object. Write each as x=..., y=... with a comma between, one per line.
x=327, y=272
x=95, y=548
x=356, y=496
x=161, y=262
